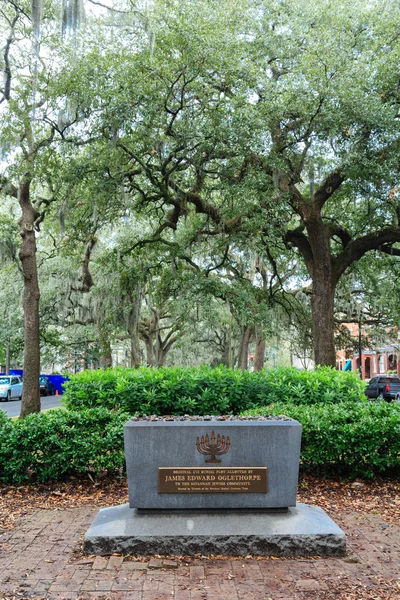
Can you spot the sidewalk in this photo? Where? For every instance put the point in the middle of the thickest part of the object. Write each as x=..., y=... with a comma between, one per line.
x=41, y=558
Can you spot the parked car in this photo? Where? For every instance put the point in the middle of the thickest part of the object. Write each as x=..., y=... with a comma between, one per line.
x=10, y=387
x=384, y=387
x=46, y=386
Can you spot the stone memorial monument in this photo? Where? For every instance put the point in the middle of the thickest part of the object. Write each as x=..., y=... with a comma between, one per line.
x=213, y=485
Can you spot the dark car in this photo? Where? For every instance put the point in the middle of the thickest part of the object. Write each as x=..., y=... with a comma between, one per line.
x=46, y=386
x=384, y=387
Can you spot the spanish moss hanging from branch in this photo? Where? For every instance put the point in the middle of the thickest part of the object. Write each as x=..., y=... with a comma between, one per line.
x=36, y=15
x=128, y=12
x=73, y=15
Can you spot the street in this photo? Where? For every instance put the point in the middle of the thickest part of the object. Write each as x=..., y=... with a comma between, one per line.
x=13, y=408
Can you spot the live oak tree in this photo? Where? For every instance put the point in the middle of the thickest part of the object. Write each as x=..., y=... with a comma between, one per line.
x=172, y=143
x=333, y=138
x=36, y=45
x=271, y=125
x=145, y=306
x=296, y=137
x=24, y=142
x=31, y=57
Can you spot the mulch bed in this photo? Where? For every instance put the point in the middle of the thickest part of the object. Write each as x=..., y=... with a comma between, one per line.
x=21, y=500
x=377, y=496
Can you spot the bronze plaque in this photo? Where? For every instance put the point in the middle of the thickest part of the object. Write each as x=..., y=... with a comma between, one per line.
x=214, y=480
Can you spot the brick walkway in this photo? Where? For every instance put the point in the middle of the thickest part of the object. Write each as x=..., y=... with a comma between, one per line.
x=40, y=558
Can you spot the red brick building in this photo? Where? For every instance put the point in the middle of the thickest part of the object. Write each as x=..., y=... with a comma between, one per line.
x=374, y=361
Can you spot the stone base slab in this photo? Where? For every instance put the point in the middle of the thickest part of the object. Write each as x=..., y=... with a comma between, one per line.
x=303, y=530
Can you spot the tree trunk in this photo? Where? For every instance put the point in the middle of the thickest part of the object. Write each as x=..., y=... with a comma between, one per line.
x=259, y=356
x=323, y=294
x=31, y=392
x=164, y=346
x=8, y=357
x=105, y=346
x=225, y=355
x=135, y=350
x=133, y=326
x=323, y=325
x=160, y=355
x=150, y=351
x=243, y=355
x=147, y=330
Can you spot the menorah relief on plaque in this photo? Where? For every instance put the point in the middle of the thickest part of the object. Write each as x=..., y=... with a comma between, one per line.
x=214, y=448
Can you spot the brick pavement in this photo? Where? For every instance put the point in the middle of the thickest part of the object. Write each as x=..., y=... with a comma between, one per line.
x=40, y=558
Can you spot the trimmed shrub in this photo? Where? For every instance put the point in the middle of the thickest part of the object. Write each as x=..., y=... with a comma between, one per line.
x=3, y=418
x=57, y=443
x=202, y=390
x=355, y=439
x=358, y=439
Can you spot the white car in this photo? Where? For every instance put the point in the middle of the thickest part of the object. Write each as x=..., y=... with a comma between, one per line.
x=10, y=387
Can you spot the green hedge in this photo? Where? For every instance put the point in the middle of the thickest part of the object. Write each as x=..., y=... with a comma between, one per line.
x=358, y=439
x=355, y=439
x=57, y=443
x=202, y=390
x=3, y=418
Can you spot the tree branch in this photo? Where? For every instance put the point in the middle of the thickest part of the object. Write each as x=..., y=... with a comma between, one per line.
x=332, y=183
x=378, y=240
x=86, y=276
x=335, y=230
x=7, y=69
x=7, y=187
x=297, y=238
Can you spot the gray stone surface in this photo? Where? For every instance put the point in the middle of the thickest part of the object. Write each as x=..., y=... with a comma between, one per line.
x=153, y=444
x=301, y=531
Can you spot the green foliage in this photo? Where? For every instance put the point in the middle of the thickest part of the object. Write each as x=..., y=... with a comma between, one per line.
x=202, y=390
x=353, y=439
x=59, y=443
x=325, y=385
x=356, y=439
x=3, y=418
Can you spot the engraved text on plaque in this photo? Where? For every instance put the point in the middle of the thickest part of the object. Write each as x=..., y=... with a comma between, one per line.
x=192, y=480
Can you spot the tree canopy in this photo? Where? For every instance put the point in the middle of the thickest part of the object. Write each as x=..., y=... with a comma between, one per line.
x=241, y=155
